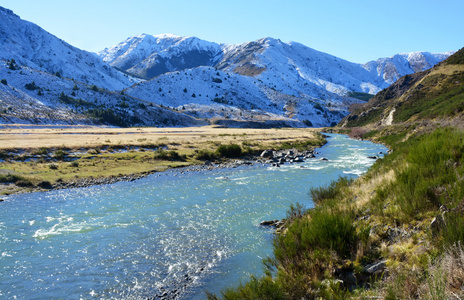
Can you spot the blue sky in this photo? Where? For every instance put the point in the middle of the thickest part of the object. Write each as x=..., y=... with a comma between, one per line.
x=357, y=30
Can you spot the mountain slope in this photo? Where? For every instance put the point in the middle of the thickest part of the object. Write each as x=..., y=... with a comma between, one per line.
x=147, y=56
x=28, y=96
x=287, y=80
x=30, y=45
x=436, y=93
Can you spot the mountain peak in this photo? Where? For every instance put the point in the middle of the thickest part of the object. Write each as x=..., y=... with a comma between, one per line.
x=5, y=11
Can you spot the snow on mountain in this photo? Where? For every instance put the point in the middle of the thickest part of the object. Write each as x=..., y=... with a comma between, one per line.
x=29, y=96
x=392, y=68
x=314, y=72
x=289, y=80
x=44, y=79
x=147, y=56
x=30, y=45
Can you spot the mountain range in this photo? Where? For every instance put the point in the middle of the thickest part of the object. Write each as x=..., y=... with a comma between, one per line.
x=166, y=80
x=434, y=94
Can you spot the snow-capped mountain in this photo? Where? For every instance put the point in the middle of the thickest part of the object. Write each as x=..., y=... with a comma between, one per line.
x=283, y=79
x=147, y=56
x=392, y=68
x=44, y=79
x=31, y=46
x=29, y=96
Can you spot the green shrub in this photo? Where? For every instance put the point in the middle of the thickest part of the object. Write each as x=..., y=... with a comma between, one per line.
x=326, y=230
x=205, y=155
x=11, y=178
x=330, y=191
x=453, y=232
x=59, y=154
x=229, y=151
x=3, y=81
x=172, y=155
x=262, y=288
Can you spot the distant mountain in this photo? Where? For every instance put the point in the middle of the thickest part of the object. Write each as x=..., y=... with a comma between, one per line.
x=147, y=56
x=392, y=68
x=188, y=81
x=28, y=96
x=31, y=46
x=284, y=79
x=436, y=93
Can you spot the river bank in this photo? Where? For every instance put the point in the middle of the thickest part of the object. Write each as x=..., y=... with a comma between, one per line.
x=88, y=157
x=141, y=238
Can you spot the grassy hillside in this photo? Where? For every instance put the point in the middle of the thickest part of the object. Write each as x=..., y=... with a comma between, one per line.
x=397, y=231
x=433, y=94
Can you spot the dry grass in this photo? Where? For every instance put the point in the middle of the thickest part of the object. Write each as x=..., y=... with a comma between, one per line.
x=187, y=137
x=97, y=163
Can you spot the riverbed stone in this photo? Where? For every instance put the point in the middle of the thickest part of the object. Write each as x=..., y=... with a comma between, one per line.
x=267, y=153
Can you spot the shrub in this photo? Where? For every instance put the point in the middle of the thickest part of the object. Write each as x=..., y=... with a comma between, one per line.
x=262, y=288
x=205, y=155
x=229, y=151
x=12, y=178
x=74, y=164
x=330, y=191
x=53, y=166
x=59, y=154
x=172, y=155
x=3, y=81
x=31, y=86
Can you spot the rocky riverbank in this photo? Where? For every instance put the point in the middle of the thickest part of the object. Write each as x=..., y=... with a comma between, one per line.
x=271, y=157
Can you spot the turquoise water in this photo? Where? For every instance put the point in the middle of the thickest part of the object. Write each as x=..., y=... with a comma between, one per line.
x=169, y=233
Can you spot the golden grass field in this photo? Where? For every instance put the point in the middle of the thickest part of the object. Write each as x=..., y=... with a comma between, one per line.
x=14, y=137
x=93, y=149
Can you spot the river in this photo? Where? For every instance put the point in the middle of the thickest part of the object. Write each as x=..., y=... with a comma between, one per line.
x=169, y=233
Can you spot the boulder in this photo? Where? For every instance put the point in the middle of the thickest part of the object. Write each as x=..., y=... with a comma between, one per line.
x=437, y=224
x=298, y=159
x=376, y=268
x=269, y=223
x=267, y=154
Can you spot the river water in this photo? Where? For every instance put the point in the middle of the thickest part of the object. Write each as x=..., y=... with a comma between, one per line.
x=169, y=233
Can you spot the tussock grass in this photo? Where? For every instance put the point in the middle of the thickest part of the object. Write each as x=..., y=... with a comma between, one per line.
x=384, y=215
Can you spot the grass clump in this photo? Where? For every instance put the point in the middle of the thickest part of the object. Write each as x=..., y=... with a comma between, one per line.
x=229, y=151
x=204, y=154
x=171, y=155
x=330, y=191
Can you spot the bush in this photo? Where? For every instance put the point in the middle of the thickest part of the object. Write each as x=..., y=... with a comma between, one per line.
x=172, y=155
x=12, y=178
x=74, y=164
x=326, y=230
x=205, y=155
x=330, y=191
x=262, y=288
x=229, y=151
x=3, y=81
x=53, y=166
x=59, y=154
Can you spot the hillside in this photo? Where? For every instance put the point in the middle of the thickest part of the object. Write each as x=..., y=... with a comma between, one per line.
x=436, y=93
x=396, y=232
x=282, y=80
x=183, y=81
x=28, y=96
x=31, y=46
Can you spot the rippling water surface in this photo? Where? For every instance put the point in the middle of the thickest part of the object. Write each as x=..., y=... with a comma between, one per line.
x=170, y=233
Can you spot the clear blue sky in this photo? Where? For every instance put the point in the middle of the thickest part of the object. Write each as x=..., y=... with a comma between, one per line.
x=356, y=30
